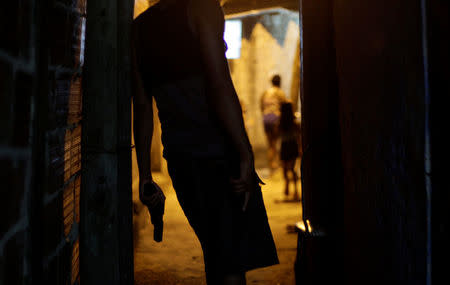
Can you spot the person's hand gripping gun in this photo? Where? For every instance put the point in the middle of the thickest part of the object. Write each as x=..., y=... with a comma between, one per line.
x=152, y=196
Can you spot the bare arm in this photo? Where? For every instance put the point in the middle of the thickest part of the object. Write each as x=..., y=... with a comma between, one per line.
x=143, y=122
x=208, y=24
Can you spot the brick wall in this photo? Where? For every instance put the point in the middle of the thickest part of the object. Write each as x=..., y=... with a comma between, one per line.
x=62, y=141
x=41, y=59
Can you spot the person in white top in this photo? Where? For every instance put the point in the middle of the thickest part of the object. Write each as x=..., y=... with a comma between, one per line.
x=271, y=101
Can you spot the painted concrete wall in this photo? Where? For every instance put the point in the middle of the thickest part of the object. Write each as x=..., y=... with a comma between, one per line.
x=269, y=47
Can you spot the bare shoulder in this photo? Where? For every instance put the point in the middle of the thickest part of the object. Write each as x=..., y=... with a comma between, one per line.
x=280, y=93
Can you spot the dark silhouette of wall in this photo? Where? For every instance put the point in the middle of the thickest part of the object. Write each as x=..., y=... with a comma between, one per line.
x=18, y=93
x=439, y=62
x=320, y=258
x=381, y=95
x=41, y=60
x=106, y=245
x=376, y=114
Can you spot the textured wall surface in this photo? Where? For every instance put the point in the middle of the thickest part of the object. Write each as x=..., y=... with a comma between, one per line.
x=381, y=90
x=66, y=32
x=40, y=149
x=269, y=47
x=373, y=50
x=106, y=238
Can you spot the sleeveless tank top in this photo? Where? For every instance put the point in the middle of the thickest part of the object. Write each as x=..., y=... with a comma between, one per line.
x=170, y=64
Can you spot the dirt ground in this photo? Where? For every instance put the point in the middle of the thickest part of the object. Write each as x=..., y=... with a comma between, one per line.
x=178, y=259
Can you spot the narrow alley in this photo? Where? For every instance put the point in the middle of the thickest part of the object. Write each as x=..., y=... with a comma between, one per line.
x=364, y=81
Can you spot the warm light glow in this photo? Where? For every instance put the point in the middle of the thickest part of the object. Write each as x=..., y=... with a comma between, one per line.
x=309, y=226
x=301, y=226
x=140, y=6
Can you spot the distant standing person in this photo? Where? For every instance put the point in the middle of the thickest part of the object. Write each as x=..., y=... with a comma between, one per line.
x=271, y=101
x=290, y=146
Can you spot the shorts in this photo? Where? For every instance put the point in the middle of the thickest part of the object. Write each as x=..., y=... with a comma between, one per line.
x=270, y=124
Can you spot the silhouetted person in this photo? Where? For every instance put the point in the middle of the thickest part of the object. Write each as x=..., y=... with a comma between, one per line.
x=179, y=59
x=290, y=146
x=270, y=107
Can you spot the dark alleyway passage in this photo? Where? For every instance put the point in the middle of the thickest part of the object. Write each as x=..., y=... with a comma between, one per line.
x=178, y=259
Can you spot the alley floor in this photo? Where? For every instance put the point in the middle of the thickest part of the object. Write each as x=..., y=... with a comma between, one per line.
x=178, y=259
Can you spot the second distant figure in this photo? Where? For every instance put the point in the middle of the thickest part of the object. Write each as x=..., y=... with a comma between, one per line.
x=290, y=148
x=271, y=101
